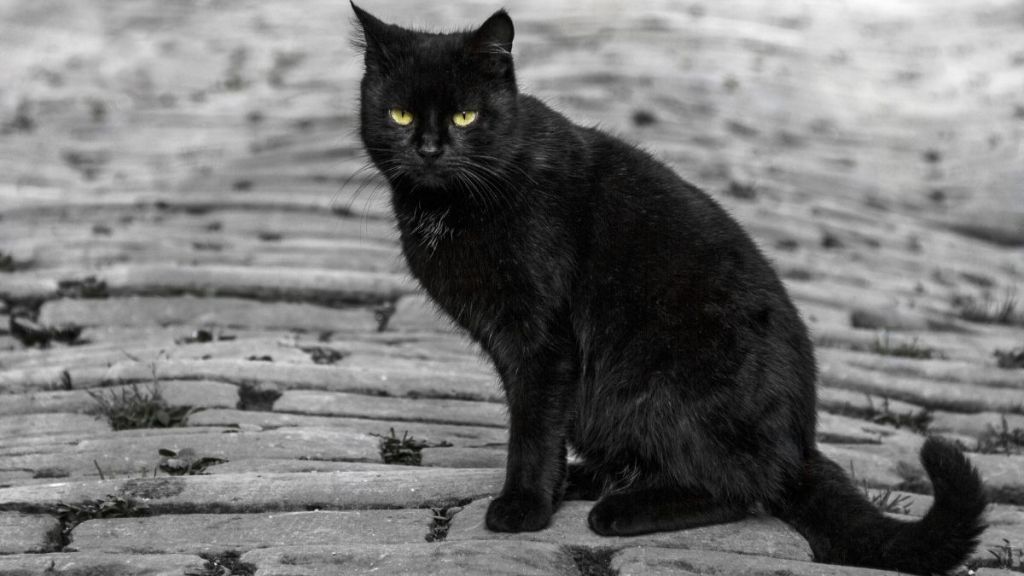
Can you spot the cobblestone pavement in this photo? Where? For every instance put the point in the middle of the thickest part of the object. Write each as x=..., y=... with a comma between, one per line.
x=188, y=229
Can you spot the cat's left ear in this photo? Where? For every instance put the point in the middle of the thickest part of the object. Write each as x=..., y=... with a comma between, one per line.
x=376, y=36
x=494, y=36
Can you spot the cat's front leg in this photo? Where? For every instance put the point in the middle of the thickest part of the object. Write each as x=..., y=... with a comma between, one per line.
x=538, y=392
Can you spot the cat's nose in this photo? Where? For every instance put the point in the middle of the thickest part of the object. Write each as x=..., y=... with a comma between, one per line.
x=429, y=149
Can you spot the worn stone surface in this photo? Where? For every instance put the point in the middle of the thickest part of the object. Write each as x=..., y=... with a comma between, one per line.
x=70, y=401
x=194, y=311
x=998, y=226
x=82, y=563
x=873, y=468
x=19, y=426
x=976, y=346
x=468, y=365
x=200, y=533
x=414, y=345
x=835, y=429
x=760, y=536
x=153, y=344
x=258, y=491
x=22, y=533
x=15, y=477
x=941, y=369
x=888, y=319
x=282, y=466
x=26, y=286
x=977, y=424
x=841, y=401
x=1002, y=474
x=423, y=409
x=490, y=457
x=651, y=561
x=433, y=434
x=415, y=313
x=449, y=558
x=199, y=393
x=130, y=452
x=383, y=380
x=265, y=283
x=927, y=393
x=50, y=378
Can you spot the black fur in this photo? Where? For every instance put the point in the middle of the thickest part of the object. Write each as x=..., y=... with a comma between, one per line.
x=843, y=528
x=627, y=314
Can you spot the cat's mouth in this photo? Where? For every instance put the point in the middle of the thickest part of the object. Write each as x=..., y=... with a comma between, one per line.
x=432, y=175
x=433, y=179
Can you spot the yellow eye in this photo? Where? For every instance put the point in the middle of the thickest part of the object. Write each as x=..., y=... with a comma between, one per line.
x=463, y=119
x=401, y=116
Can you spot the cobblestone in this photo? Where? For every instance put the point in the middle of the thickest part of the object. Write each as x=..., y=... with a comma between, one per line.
x=185, y=183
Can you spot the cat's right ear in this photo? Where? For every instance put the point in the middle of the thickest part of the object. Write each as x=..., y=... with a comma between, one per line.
x=494, y=36
x=492, y=43
x=374, y=38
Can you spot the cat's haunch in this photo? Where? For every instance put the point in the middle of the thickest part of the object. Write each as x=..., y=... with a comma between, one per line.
x=628, y=316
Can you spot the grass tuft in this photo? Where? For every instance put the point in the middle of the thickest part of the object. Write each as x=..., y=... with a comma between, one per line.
x=204, y=335
x=912, y=349
x=1004, y=311
x=185, y=462
x=134, y=408
x=227, y=563
x=22, y=121
x=323, y=354
x=258, y=398
x=441, y=522
x=405, y=450
x=31, y=333
x=7, y=262
x=889, y=502
x=88, y=287
x=383, y=313
x=914, y=421
x=1001, y=440
x=1006, y=557
x=884, y=500
x=592, y=561
x=741, y=191
x=71, y=515
x=1010, y=359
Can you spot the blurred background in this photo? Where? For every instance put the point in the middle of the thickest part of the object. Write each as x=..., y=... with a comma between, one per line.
x=912, y=106
x=870, y=108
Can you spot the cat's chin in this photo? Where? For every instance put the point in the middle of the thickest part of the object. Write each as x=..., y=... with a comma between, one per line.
x=435, y=183
x=431, y=181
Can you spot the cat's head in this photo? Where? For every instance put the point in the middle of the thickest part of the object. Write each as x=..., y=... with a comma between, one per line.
x=438, y=111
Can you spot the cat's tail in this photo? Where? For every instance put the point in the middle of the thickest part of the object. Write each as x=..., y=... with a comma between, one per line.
x=843, y=527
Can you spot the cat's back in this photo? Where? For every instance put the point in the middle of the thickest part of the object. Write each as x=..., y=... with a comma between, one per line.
x=622, y=184
x=632, y=216
x=657, y=242
x=640, y=201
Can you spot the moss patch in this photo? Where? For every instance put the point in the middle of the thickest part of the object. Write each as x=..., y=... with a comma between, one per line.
x=592, y=561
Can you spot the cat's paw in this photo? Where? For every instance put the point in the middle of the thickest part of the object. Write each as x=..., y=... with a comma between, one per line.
x=581, y=484
x=519, y=513
x=613, y=516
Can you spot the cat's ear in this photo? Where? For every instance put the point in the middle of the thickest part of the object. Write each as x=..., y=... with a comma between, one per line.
x=491, y=46
x=494, y=36
x=375, y=37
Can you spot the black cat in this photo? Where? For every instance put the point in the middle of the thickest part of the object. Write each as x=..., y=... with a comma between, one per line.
x=627, y=315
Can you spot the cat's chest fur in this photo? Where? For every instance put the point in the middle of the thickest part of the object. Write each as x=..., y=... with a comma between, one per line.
x=494, y=278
